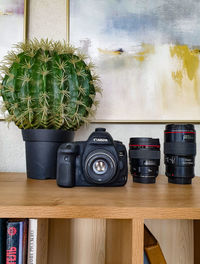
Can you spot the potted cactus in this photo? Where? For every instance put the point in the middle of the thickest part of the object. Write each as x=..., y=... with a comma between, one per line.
x=48, y=91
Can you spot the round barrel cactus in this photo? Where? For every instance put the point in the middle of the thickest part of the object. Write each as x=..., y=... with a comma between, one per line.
x=47, y=84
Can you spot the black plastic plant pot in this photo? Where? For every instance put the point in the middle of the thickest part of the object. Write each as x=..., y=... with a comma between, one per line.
x=41, y=151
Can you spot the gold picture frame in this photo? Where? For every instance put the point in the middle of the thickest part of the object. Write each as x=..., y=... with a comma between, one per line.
x=25, y=20
x=68, y=21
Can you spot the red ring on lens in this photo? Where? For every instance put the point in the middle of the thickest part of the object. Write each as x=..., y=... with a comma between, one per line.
x=175, y=132
x=154, y=146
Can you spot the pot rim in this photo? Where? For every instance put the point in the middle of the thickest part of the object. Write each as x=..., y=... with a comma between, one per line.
x=47, y=135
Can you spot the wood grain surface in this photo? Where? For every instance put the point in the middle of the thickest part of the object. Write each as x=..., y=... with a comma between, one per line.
x=87, y=241
x=59, y=241
x=176, y=238
x=20, y=197
x=118, y=241
x=42, y=241
x=137, y=241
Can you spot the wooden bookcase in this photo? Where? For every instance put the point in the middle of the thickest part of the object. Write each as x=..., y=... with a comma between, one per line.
x=116, y=234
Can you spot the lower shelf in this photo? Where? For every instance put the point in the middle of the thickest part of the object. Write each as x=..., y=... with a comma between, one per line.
x=112, y=241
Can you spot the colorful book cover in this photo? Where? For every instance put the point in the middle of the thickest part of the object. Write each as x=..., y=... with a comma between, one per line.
x=15, y=243
x=3, y=222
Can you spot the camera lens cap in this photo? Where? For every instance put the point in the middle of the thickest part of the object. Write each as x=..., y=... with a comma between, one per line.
x=100, y=129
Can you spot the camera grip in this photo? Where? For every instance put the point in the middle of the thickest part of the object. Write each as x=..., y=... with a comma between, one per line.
x=66, y=171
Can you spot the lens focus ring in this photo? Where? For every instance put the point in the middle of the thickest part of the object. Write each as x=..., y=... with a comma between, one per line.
x=179, y=148
x=144, y=154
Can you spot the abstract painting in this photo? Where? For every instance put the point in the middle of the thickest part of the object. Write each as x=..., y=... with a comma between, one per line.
x=147, y=55
x=11, y=24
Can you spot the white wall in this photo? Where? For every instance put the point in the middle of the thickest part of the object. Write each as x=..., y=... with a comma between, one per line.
x=12, y=156
x=47, y=18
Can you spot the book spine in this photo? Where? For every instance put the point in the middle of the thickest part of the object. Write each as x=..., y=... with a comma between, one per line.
x=21, y=228
x=14, y=243
x=25, y=241
x=32, y=241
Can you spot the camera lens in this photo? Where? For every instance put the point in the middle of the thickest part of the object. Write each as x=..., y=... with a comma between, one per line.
x=100, y=167
x=180, y=151
x=144, y=156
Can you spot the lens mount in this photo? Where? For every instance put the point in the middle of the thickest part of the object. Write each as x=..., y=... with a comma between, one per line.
x=100, y=166
x=144, y=179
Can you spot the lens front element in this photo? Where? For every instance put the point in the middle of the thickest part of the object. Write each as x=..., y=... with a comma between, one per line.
x=100, y=166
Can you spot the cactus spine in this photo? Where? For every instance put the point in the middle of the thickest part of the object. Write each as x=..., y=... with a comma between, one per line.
x=46, y=84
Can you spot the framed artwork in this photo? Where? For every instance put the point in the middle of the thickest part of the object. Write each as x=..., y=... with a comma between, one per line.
x=12, y=24
x=13, y=15
x=147, y=55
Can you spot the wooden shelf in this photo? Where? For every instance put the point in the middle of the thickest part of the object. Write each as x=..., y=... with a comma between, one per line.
x=22, y=197
x=117, y=236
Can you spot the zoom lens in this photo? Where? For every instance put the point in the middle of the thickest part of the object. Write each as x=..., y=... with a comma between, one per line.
x=144, y=157
x=180, y=151
x=100, y=167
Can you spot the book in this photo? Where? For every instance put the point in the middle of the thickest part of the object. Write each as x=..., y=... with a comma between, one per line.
x=16, y=241
x=37, y=241
x=3, y=222
x=32, y=241
x=152, y=248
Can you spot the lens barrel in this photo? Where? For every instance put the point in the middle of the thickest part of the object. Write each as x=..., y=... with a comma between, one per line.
x=144, y=157
x=180, y=151
x=100, y=167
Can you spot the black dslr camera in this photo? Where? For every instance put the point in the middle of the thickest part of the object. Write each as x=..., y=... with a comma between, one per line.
x=99, y=161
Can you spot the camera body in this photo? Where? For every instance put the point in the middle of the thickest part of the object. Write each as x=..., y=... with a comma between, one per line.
x=99, y=161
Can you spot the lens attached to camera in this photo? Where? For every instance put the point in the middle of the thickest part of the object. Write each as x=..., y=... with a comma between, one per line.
x=144, y=156
x=180, y=151
x=100, y=167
